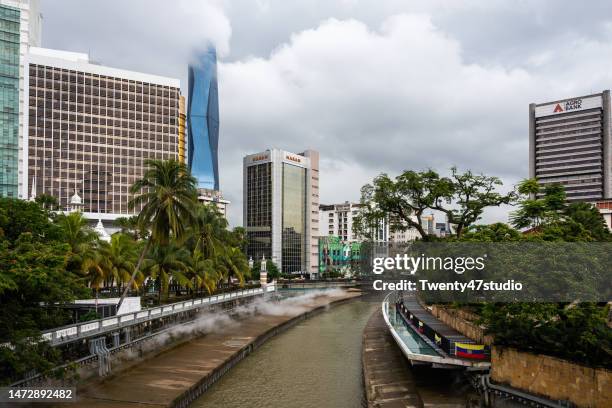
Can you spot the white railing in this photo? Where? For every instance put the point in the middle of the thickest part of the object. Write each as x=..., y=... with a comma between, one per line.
x=76, y=331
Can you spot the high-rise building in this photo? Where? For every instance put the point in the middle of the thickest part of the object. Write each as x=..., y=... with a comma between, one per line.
x=215, y=198
x=203, y=120
x=20, y=25
x=182, y=153
x=91, y=128
x=280, y=208
x=337, y=220
x=570, y=143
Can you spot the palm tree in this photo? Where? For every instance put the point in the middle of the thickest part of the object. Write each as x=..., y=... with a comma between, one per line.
x=236, y=263
x=165, y=263
x=77, y=233
x=203, y=272
x=121, y=255
x=209, y=230
x=96, y=269
x=130, y=226
x=167, y=193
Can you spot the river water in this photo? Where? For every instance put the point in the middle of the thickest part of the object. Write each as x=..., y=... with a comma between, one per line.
x=317, y=363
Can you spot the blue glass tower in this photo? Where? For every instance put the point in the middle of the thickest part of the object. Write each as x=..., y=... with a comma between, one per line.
x=203, y=120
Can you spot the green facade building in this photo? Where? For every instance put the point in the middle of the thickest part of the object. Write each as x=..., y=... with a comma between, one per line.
x=9, y=100
x=338, y=258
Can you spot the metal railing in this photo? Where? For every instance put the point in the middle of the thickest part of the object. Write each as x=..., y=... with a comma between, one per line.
x=73, y=332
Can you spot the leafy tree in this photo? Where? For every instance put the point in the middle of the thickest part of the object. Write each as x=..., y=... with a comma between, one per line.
x=165, y=263
x=498, y=232
x=461, y=197
x=81, y=238
x=121, y=255
x=590, y=218
x=235, y=263
x=203, y=272
x=167, y=193
x=472, y=193
x=130, y=226
x=48, y=202
x=546, y=212
x=576, y=332
x=401, y=201
x=209, y=230
x=33, y=278
x=18, y=216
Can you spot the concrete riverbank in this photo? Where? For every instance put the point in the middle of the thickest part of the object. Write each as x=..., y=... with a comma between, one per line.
x=388, y=380
x=178, y=376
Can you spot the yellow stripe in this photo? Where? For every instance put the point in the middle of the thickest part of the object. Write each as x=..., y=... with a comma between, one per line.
x=470, y=346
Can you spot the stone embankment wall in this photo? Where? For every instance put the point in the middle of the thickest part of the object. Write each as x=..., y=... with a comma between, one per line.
x=551, y=377
x=463, y=322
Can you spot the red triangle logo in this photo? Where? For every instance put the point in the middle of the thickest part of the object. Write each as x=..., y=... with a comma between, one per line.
x=558, y=108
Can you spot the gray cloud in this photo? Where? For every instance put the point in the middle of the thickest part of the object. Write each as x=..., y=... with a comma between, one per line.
x=374, y=86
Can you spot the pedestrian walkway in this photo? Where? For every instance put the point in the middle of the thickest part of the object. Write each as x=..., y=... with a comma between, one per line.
x=388, y=380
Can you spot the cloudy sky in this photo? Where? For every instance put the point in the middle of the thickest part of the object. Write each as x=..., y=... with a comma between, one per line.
x=375, y=86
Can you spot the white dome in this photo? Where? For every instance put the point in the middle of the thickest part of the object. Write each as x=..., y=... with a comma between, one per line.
x=76, y=199
x=104, y=236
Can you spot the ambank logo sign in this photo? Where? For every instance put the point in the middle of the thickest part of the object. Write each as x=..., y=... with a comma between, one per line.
x=574, y=104
x=570, y=105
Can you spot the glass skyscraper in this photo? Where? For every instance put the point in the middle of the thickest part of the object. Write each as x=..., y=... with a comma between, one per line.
x=9, y=100
x=203, y=120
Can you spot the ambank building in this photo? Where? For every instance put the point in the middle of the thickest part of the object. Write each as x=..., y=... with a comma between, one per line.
x=570, y=144
x=281, y=209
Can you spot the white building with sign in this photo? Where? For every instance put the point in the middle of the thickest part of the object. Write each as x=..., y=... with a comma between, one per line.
x=570, y=144
x=281, y=209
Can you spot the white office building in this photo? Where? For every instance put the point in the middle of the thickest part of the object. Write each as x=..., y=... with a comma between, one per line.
x=281, y=207
x=91, y=128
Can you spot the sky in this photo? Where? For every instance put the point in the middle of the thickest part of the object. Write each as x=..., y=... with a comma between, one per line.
x=375, y=86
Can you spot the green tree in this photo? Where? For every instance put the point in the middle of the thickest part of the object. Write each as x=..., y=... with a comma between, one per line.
x=590, y=218
x=33, y=279
x=403, y=201
x=81, y=238
x=130, y=226
x=18, y=216
x=202, y=272
x=167, y=193
x=121, y=254
x=235, y=263
x=165, y=263
x=472, y=193
x=538, y=206
x=47, y=202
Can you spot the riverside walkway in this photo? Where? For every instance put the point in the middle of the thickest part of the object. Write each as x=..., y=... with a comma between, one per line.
x=420, y=348
x=178, y=376
x=388, y=381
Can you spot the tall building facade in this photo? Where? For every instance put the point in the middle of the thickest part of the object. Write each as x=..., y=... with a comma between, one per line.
x=203, y=120
x=337, y=220
x=91, y=128
x=280, y=209
x=570, y=144
x=20, y=28
x=214, y=197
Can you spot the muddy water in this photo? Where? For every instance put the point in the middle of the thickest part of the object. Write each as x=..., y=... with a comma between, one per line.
x=316, y=364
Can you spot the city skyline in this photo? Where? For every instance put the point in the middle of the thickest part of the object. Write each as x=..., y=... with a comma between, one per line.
x=281, y=86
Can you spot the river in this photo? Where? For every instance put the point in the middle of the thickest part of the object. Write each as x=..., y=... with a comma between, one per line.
x=317, y=364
